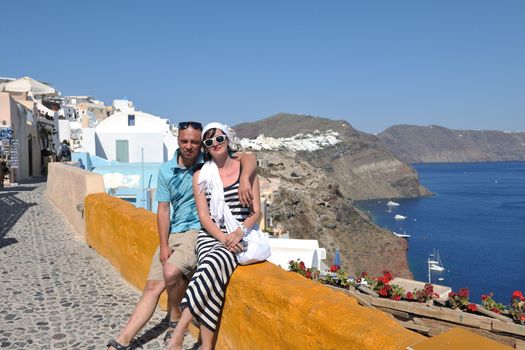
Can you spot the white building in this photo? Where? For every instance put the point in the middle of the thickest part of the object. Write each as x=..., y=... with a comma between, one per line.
x=84, y=109
x=27, y=126
x=125, y=135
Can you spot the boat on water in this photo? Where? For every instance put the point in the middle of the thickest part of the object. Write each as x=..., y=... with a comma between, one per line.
x=399, y=217
x=437, y=268
x=434, y=262
x=402, y=235
x=392, y=204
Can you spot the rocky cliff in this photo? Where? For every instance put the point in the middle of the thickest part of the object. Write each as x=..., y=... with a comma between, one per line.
x=360, y=164
x=313, y=198
x=428, y=144
x=310, y=205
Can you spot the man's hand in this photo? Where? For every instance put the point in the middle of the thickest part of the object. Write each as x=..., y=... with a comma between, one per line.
x=233, y=239
x=165, y=253
x=245, y=191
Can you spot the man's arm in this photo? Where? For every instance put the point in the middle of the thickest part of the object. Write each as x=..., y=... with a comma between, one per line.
x=163, y=226
x=249, y=166
x=162, y=195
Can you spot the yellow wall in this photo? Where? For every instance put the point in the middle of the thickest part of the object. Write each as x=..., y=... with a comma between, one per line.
x=124, y=235
x=269, y=308
x=266, y=307
x=67, y=187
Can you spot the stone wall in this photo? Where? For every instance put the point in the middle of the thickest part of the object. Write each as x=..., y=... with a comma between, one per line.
x=67, y=187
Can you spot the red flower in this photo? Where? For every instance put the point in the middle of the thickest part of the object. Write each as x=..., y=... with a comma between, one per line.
x=496, y=310
x=410, y=296
x=517, y=295
x=302, y=266
x=522, y=317
x=484, y=297
x=387, y=277
x=472, y=307
x=308, y=274
x=364, y=274
x=384, y=291
x=382, y=279
x=334, y=268
x=396, y=297
x=463, y=292
x=451, y=295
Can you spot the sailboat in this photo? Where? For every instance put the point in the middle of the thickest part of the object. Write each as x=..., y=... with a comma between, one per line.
x=435, y=263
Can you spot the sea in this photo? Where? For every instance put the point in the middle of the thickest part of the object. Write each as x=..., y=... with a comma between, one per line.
x=475, y=219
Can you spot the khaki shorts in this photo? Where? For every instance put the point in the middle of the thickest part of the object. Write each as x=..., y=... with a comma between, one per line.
x=183, y=256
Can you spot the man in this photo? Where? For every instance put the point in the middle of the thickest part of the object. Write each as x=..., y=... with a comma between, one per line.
x=64, y=152
x=175, y=261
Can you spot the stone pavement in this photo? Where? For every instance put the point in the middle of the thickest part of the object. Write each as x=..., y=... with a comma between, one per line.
x=55, y=291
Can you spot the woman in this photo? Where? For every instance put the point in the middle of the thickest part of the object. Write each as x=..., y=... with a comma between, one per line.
x=216, y=248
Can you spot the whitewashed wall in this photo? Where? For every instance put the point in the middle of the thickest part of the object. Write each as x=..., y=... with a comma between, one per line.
x=152, y=144
x=150, y=133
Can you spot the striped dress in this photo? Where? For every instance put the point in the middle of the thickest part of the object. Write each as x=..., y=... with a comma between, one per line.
x=215, y=265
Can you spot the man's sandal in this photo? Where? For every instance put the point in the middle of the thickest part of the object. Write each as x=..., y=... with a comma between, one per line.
x=171, y=327
x=115, y=344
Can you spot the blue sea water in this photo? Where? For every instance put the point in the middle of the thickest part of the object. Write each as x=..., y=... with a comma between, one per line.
x=476, y=219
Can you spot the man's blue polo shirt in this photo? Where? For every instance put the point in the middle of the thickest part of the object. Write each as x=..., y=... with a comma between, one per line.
x=175, y=185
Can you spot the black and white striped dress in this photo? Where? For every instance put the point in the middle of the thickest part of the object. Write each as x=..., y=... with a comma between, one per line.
x=215, y=265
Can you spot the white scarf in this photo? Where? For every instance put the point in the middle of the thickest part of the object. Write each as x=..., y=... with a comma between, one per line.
x=210, y=182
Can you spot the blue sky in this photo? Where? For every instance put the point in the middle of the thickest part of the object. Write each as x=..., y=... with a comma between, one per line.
x=459, y=64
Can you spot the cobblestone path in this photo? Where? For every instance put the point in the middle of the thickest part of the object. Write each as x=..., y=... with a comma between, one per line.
x=55, y=291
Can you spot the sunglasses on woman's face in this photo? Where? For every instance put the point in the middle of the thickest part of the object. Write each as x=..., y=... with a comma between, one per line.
x=220, y=140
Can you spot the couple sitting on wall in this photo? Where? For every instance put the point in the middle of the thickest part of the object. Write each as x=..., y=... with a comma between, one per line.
x=195, y=258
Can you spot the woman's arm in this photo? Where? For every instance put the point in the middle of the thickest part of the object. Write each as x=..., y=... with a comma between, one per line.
x=235, y=237
x=203, y=211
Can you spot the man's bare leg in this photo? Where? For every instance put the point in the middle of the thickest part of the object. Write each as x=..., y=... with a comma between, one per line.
x=176, y=284
x=142, y=312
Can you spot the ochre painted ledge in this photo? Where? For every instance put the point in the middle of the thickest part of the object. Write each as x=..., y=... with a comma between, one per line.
x=266, y=307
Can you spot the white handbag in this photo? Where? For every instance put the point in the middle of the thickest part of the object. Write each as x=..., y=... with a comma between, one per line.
x=258, y=248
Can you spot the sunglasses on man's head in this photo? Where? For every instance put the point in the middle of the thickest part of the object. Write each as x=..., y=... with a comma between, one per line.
x=194, y=125
x=220, y=140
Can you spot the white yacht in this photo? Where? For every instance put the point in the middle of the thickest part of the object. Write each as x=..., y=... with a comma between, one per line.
x=399, y=217
x=435, y=263
x=402, y=235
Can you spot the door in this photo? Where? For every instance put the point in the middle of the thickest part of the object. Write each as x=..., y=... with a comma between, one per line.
x=30, y=149
x=123, y=151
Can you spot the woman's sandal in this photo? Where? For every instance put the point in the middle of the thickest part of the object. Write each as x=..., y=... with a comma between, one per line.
x=115, y=344
x=171, y=327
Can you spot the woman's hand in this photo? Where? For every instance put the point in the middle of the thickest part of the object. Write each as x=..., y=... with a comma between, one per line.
x=237, y=248
x=233, y=239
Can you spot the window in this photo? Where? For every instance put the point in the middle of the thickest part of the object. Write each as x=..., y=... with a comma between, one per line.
x=131, y=119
